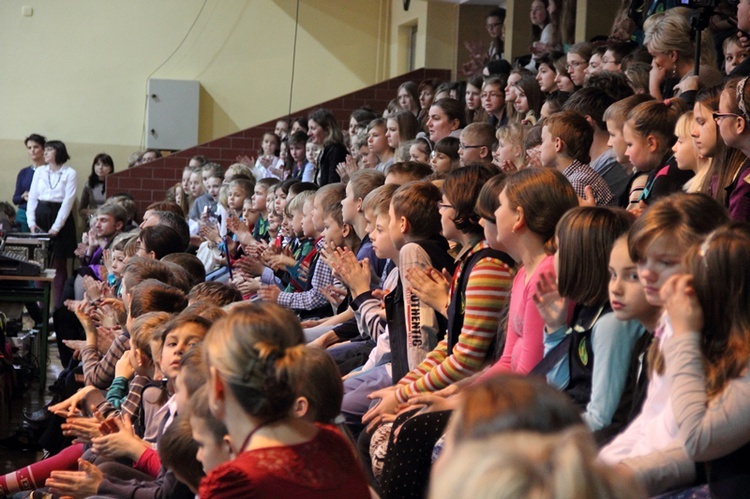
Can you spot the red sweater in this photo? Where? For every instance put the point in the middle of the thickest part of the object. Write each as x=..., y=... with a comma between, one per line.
x=324, y=467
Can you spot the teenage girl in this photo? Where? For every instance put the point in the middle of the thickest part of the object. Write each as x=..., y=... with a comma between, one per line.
x=401, y=127
x=649, y=134
x=93, y=195
x=51, y=198
x=474, y=110
x=628, y=301
x=707, y=358
x=725, y=161
x=587, y=355
x=732, y=120
x=657, y=242
x=686, y=153
x=529, y=99
x=249, y=355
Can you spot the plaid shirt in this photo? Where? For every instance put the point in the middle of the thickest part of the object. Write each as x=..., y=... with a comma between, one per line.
x=311, y=299
x=580, y=175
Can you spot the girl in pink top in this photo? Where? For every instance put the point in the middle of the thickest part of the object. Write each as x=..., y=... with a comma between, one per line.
x=531, y=204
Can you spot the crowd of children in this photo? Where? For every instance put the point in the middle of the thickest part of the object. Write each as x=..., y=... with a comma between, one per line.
x=374, y=312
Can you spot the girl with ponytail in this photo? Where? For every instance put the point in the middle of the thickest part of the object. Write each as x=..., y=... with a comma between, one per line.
x=250, y=356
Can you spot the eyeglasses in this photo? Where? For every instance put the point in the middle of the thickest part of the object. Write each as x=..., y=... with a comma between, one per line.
x=718, y=116
x=492, y=95
x=443, y=206
x=575, y=64
x=461, y=146
x=493, y=26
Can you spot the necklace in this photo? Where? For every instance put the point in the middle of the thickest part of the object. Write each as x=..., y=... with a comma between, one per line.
x=49, y=179
x=248, y=437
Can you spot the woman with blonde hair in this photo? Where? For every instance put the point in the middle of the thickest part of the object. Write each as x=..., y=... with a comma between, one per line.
x=669, y=39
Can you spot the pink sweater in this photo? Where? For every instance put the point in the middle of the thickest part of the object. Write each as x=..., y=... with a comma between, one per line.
x=524, y=345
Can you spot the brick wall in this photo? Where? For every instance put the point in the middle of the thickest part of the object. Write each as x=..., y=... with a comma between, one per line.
x=149, y=183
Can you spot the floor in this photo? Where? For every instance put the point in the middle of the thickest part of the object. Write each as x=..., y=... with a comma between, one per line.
x=30, y=400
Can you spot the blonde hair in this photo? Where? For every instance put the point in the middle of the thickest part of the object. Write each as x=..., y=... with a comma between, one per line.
x=671, y=31
x=530, y=464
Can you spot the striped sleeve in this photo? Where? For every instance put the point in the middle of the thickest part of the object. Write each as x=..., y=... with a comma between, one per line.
x=487, y=292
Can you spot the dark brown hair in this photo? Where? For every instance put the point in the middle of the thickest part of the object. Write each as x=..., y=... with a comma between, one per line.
x=545, y=195
x=585, y=238
x=418, y=203
x=462, y=187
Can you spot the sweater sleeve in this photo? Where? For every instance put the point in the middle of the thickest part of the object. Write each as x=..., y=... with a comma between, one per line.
x=612, y=341
x=487, y=292
x=708, y=428
x=100, y=371
x=149, y=462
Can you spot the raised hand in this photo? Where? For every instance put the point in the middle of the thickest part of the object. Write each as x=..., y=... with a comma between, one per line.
x=552, y=307
x=681, y=304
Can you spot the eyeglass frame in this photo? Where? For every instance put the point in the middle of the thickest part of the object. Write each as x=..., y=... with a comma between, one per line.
x=719, y=116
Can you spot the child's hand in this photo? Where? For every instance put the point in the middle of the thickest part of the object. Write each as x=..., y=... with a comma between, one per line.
x=124, y=366
x=432, y=287
x=588, y=199
x=81, y=428
x=269, y=293
x=356, y=275
x=245, y=160
x=334, y=294
x=76, y=484
x=552, y=307
x=682, y=306
x=534, y=157
x=121, y=443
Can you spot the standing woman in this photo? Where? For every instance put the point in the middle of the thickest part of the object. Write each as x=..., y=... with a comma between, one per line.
x=324, y=131
x=93, y=195
x=35, y=146
x=51, y=198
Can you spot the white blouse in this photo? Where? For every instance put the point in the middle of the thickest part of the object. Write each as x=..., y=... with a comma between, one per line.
x=54, y=187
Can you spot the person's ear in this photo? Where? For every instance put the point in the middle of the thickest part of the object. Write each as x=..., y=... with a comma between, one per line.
x=404, y=225
x=559, y=145
x=741, y=125
x=300, y=407
x=216, y=394
x=359, y=205
x=520, y=221
x=455, y=124
x=652, y=143
x=484, y=152
x=119, y=226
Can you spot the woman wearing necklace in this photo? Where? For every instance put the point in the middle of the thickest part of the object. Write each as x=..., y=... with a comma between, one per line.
x=51, y=198
x=250, y=355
